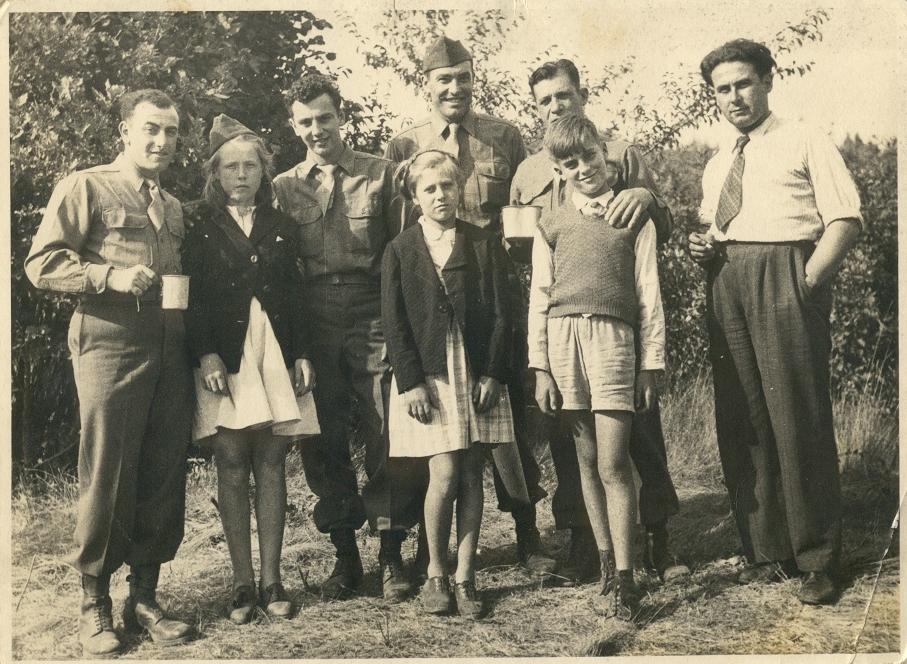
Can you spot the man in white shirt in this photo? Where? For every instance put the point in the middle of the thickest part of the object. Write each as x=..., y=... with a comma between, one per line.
x=782, y=212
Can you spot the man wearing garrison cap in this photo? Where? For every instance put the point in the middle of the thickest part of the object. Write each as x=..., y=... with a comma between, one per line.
x=108, y=234
x=489, y=151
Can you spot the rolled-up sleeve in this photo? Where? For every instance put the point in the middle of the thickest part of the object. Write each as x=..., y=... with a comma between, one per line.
x=836, y=194
x=539, y=301
x=54, y=261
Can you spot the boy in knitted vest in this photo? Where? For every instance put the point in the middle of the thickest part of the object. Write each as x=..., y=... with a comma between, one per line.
x=594, y=290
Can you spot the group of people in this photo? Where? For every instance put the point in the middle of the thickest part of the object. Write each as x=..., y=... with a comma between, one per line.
x=385, y=283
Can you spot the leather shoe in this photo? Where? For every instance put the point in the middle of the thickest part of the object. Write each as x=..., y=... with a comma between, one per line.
x=394, y=583
x=275, y=601
x=818, y=588
x=532, y=554
x=145, y=614
x=469, y=604
x=436, y=595
x=582, y=564
x=773, y=572
x=96, y=634
x=242, y=605
x=344, y=578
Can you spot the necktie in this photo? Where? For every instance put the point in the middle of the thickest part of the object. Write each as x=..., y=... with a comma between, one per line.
x=245, y=215
x=731, y=197
x=156, y=206
x=327, y=176
x=451, y=145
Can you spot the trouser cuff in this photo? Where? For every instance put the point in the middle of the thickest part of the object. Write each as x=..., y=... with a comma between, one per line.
x=344, y=541
x=96, y=586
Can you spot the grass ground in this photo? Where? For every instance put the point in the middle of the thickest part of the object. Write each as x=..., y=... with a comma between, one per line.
x=706, y=613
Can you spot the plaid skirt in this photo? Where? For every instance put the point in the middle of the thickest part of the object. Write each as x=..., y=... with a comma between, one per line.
x=261, y=392
x=454, y=425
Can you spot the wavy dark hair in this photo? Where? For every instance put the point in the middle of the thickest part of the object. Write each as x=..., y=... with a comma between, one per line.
x=214, y=193
x=550, y=69
x=738, y=50
x=311, y=86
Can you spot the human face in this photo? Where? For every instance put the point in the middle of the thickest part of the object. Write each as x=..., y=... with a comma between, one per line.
x=438, y=195
x=557, y=97
x=741, y=94
x=239, y=171
x=149, y=137
x=450, y=90
x=317, y=123
x=587, y=170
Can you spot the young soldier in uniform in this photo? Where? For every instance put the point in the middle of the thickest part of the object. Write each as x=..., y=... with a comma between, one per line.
x=783, y=213
x=489, y=151
x=108, y=234
x=342, y=201
x=557, y=92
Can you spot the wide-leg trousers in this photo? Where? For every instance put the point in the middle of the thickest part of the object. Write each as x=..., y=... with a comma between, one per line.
x=136, y=402
x=770, y=344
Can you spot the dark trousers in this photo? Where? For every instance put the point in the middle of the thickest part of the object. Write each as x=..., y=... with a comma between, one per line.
x=136, y=404
x=347, y=351
x=770, y=346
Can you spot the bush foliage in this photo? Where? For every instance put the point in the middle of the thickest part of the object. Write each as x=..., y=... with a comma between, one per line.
x=67, y=70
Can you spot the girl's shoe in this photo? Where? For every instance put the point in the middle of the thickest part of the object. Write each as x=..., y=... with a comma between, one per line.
x=626, y=596
x=469, y=604
x=436, y=595
x=275, y=601
x=608, y=571
x=242, y=605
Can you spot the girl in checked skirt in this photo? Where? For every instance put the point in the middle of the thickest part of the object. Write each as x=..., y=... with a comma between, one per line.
x=447, y=330
x=253, y=381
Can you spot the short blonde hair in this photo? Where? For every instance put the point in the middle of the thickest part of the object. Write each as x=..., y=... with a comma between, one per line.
x=408, y=173
x=214, y=193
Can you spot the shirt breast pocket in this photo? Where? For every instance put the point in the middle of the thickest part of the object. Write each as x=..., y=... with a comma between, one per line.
x=367, y=230
x=494, y=184
x=311, y=229
x=126, y=242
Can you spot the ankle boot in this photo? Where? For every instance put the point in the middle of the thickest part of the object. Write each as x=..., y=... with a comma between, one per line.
x=530, y=551
x=96, y=634
x=608, y=572
x=141, y=612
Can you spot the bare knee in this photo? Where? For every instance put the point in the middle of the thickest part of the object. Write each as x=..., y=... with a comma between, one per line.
x=444, y=475
x=615, y=469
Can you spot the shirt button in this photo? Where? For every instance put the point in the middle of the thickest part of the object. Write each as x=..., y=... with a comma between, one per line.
x=253, y=258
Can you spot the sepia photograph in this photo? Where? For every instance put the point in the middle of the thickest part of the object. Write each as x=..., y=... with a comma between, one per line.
x=409, y=330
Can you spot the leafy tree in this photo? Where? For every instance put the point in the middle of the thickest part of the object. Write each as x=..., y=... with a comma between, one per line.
x=66, y=73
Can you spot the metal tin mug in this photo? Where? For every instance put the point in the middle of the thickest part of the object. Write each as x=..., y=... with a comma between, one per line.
x=519, y=221
x=175, y=291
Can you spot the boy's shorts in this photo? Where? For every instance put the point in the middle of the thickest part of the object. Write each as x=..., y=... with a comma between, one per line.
x=593, y=362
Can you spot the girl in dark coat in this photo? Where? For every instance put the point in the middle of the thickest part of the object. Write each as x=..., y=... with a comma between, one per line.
x=245, y=330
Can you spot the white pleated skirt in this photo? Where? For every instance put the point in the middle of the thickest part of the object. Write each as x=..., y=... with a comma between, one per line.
x=454, y=425
x=261, y=392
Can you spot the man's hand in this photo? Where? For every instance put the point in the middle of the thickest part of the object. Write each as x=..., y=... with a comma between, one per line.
x=303, y=376
x=214, y=374
x=547, y=395
x=630, y=208
x=702, y=247
x=418, y=403
x=486, y=393
x=136, y=279
x=646, y=390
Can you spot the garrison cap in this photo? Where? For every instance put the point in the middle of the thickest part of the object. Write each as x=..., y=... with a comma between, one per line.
x=223, y=129
x=444, y=52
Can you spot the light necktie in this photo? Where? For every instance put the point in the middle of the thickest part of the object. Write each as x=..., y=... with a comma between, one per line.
x=245, y=215
x=731, y=197
x=156, y=210
x=451, y=145
x=327, y=176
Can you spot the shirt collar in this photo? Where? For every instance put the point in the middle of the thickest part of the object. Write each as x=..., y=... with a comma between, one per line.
x=344, y=161
x=581, y=200
x=439, y=123
x=131, y=174
x=764, y=127
x=434, y=231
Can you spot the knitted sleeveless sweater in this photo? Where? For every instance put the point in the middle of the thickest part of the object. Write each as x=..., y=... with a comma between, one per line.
x=594, y=265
